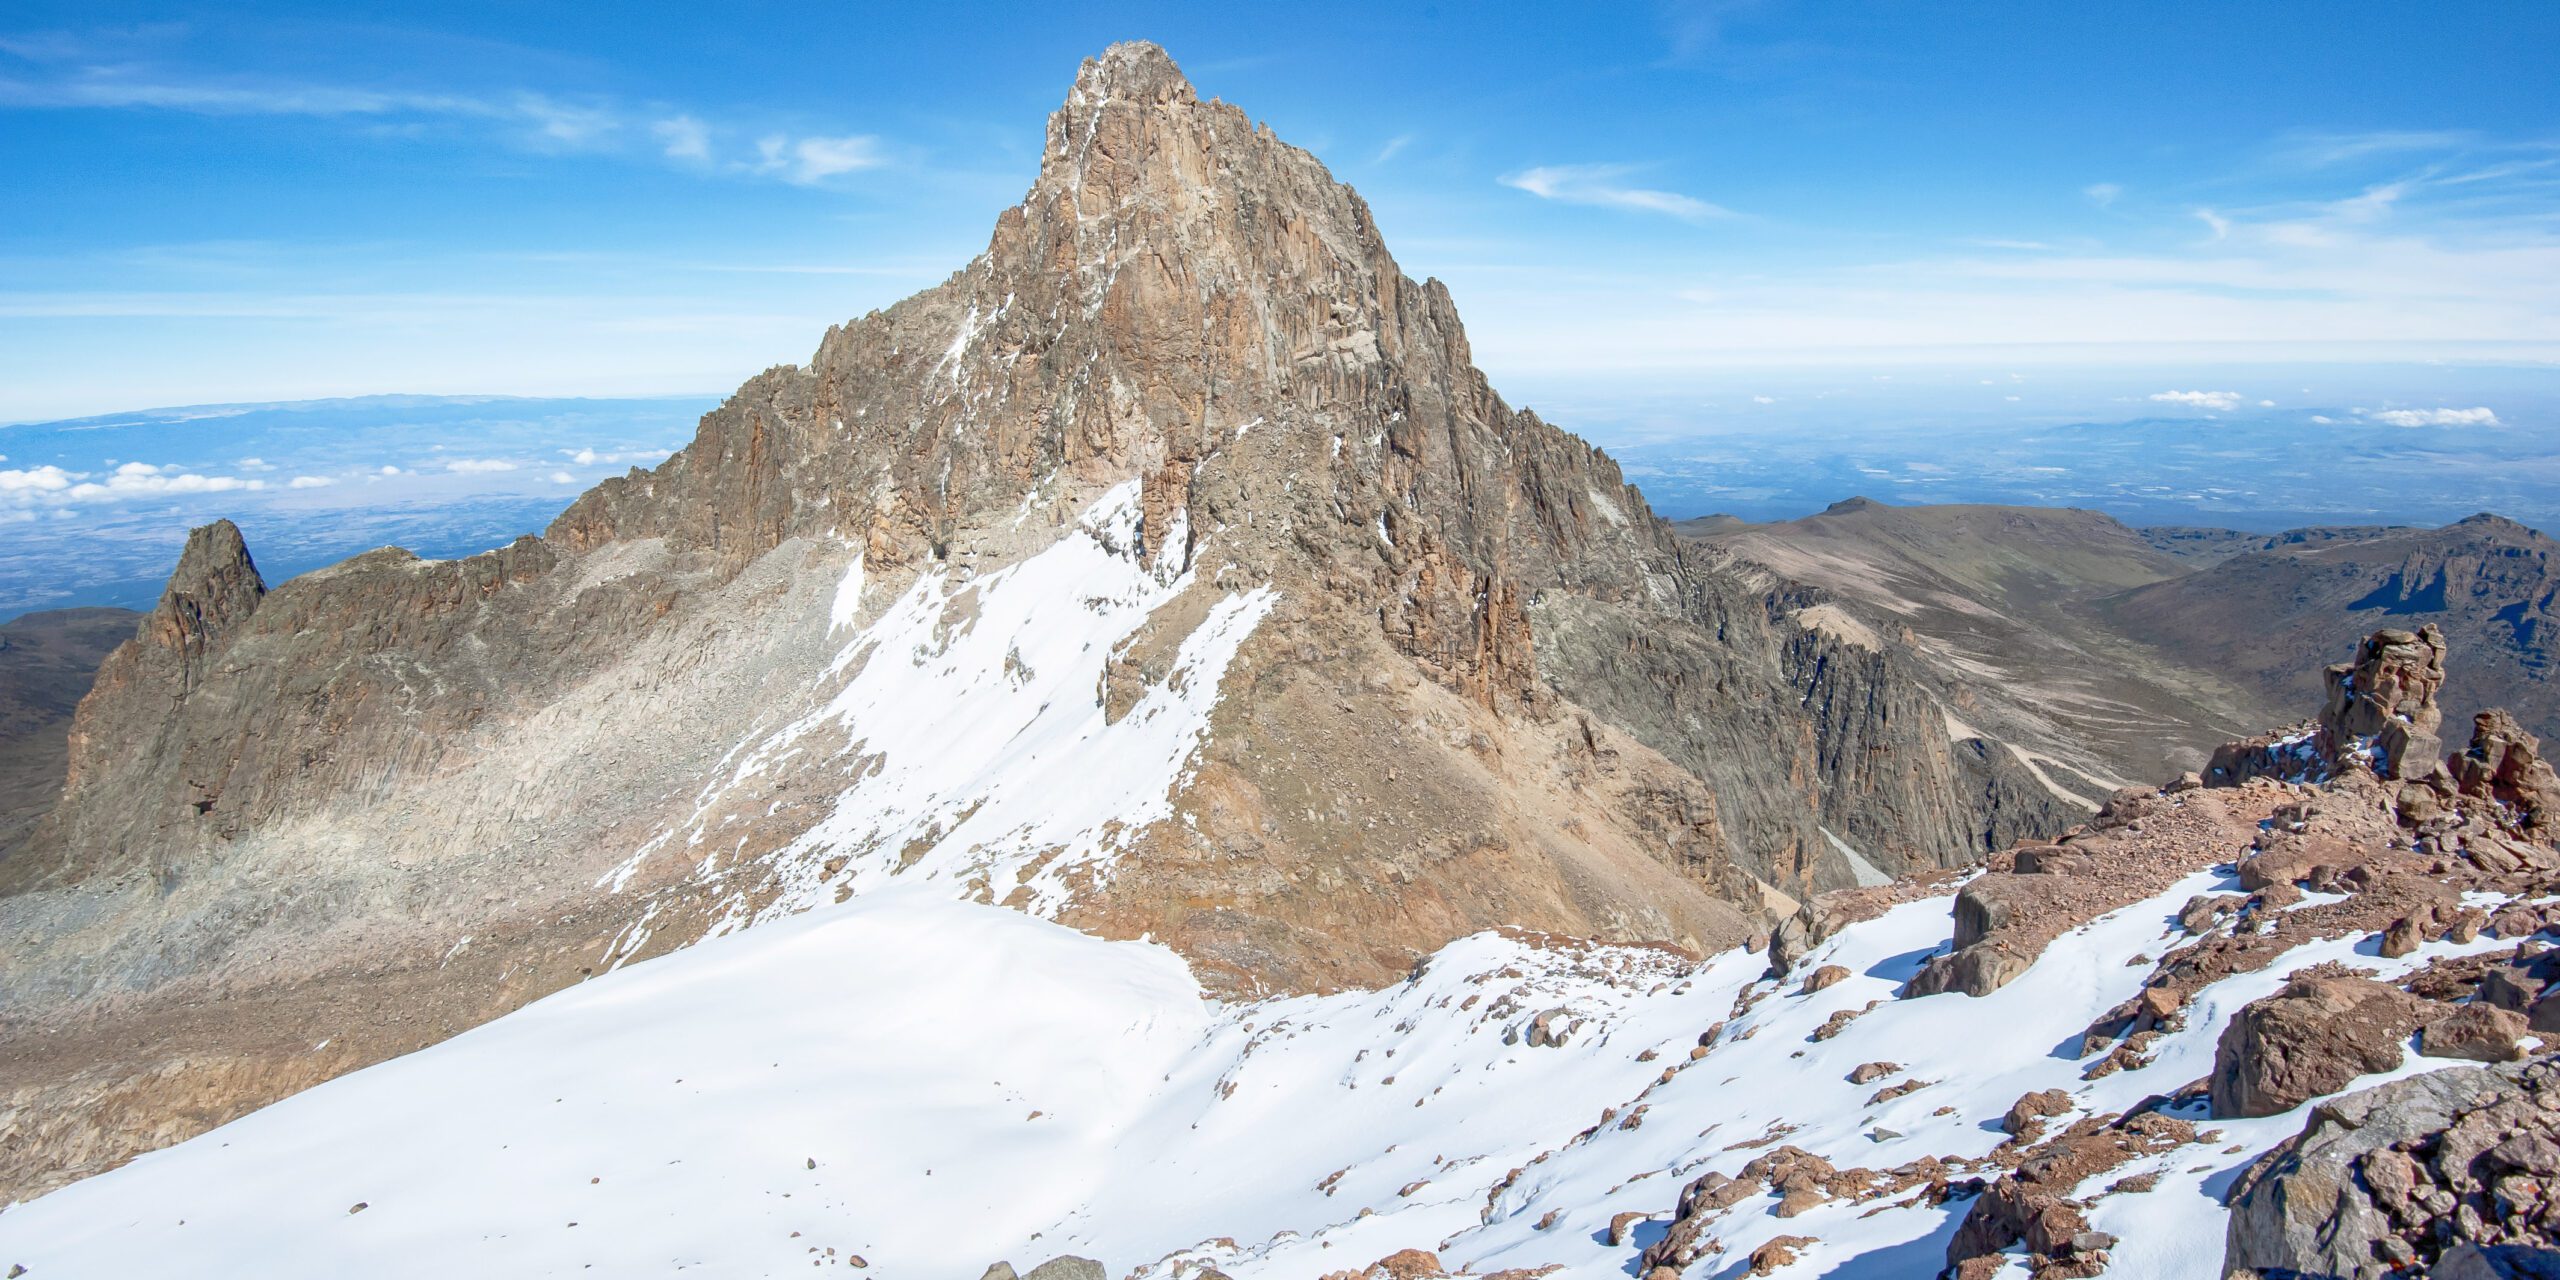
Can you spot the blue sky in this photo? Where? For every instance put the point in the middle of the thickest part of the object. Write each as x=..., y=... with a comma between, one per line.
x=265, y=201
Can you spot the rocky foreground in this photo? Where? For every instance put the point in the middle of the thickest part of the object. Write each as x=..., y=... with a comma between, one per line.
x=2264, y=1026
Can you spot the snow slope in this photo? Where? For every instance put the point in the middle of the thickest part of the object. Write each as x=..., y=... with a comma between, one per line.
x=933, y=1084
x=962, y=741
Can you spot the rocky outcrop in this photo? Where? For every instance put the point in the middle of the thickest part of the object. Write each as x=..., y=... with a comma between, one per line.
x=2397, y=1179
x=2142, y=841
x=2380, y=714
x=2382, y=706
x=2504, y=766
x=2036, y=1205
x=2315, y=1036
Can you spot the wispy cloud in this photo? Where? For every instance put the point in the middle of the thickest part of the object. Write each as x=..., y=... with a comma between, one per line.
x=478, y=466
x=684, y=138
x=2321, y=150
x=1598, y=184
x=2223, y=401
x=67, y=75
x=810, y=160
x=2103, y=194
x=2437, y=418
x=1395, y=147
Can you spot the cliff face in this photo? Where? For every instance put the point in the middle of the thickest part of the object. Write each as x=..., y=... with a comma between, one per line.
x=1169, y=569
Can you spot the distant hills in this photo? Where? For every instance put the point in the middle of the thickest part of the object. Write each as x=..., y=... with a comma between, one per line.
x=2269, y=617
x=2150, y=645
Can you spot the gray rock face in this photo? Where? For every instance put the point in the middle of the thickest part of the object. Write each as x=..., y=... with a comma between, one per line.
x=1549, y=711
x=2399, y=1178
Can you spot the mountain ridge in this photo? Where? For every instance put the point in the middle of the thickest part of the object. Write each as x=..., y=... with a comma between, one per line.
x=1181, y=486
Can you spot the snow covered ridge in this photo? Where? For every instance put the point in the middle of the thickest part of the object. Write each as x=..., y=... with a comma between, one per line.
x=921, y=1086
x=963, y=742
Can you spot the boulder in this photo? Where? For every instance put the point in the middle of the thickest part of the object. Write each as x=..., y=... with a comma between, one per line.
x=1976, y=971
x=2478, y=1032
x=2519, y=983
x=1986, y=904
x=2291, y=859
x=1826, y=976
x=2032, y=1109
x=2313, y=1037
x=1069, y=1267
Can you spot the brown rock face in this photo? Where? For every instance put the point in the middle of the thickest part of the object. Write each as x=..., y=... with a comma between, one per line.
x=2314, y=1037
x=2504, y=765
x=1491, y=688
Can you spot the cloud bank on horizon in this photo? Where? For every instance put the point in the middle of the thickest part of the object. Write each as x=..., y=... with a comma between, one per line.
x=261, y=204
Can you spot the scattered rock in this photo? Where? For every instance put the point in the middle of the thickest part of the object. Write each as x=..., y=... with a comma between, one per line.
x=1869, y=1072
x=1826, y=976
x=1552, y=1028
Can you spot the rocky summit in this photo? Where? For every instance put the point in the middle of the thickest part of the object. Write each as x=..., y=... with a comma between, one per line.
x=1169, y=570
x=1136, y=762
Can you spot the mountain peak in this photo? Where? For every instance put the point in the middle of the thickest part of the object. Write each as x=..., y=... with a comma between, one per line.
x=1131, y=71
x=215, y=585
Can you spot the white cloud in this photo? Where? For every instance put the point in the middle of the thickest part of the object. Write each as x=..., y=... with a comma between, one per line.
x=685, y=138
x=44, y=479
x=2102, y=194
x=389, y=470
x=2437, y=418
x=255, y=464
x=1764, y=399
x=810, y=160
x=2324, y=419
x=310, y=482
x=2219, y=400
x=563, y=477
x=2266, y=404
x=479, y=466
x=52, y=485
x=1394, y=145
x=1596, y=184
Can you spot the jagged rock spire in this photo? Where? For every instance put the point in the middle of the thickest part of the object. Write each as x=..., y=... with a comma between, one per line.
x=2382, y=706
x=214, y=587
